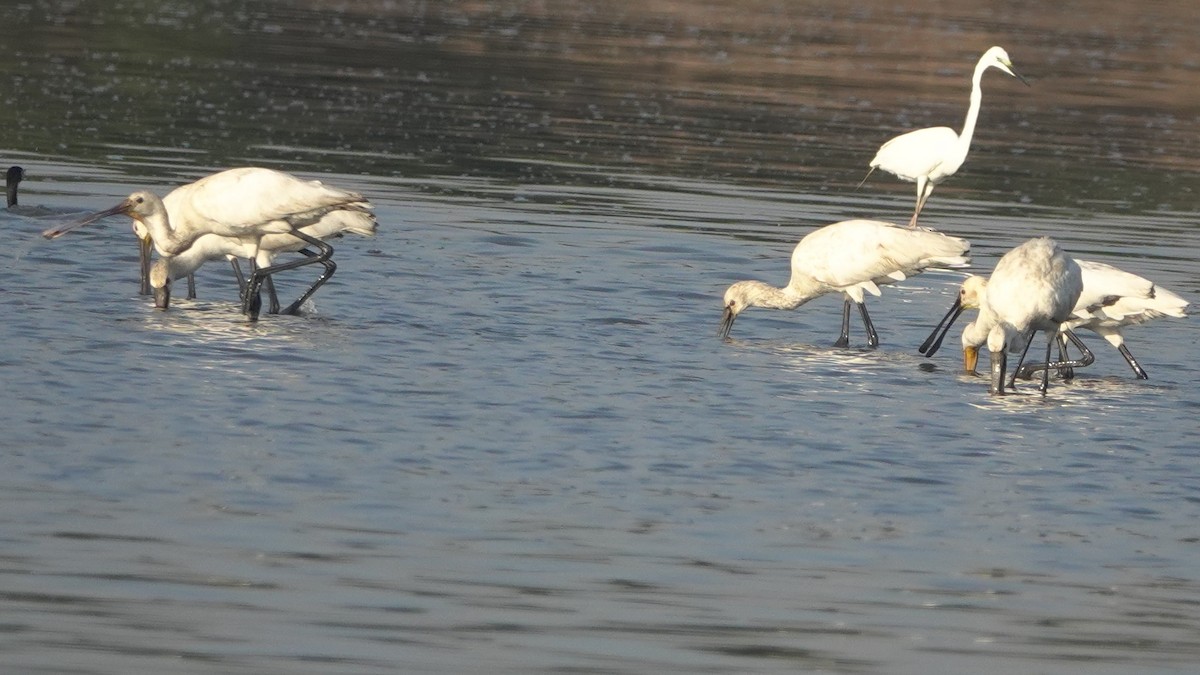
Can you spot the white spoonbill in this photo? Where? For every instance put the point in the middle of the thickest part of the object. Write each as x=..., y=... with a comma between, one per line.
x=213, y=247
x=246, y=203
x=1034, y=287
x=1111, y=300
x=852, y=257
x=928, y=156
x=972, y=296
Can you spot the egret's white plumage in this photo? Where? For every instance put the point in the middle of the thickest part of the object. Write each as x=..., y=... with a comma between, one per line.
x=928, y=156
x=247, y=203
x=853, y=257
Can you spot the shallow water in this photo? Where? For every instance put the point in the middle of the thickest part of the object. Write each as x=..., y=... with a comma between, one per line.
x=505, y=437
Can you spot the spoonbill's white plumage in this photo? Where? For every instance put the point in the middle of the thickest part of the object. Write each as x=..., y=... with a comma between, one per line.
x=214, y=247
x=852, y=257
x=928, y=156
x=1111, y=300
x=246, y=203
x=1035, y=286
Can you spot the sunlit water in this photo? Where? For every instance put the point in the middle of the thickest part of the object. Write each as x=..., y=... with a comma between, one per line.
x=504, y=437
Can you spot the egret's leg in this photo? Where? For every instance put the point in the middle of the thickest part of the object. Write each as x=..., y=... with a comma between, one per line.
x=191, y=287
x=844, y=339
x=924, y=189
x=1141, y=374
x=872, y=336
x=272, y=297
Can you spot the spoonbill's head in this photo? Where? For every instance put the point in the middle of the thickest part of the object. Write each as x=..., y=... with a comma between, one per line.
x=160, y=283
x=996, y=57
x=141, y=206
x=14, y=177
x=737, y=299
x=970, y=295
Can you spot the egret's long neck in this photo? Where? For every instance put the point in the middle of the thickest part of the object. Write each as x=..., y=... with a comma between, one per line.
x=968, y=130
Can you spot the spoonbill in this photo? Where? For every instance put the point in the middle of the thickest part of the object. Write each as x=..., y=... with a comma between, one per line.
x=929, y=156
x=246, y=203
x=213, y=246
x=971, y=296
x=851, y=257
x=1111, y=300
x=1035, y=286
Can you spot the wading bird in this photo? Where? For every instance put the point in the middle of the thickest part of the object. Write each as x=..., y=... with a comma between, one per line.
x=213, y=247
x=1111, y=300
x=928, y=156
x=1034, y=287
x=247, y=204
x=852, y=257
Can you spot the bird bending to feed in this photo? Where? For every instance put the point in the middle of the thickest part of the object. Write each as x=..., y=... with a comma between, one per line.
x=852, y=257
x=1034, y=287
x=247, y=204
x=928, y=156
x=212, y=247
x=1111, y=299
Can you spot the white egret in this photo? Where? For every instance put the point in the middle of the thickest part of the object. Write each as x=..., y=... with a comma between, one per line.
x=1035, y=286
x=852, y=257
x=928, y=156
x=246, y=203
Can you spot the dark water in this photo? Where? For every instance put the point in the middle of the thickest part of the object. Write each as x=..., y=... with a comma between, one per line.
x=505, y=437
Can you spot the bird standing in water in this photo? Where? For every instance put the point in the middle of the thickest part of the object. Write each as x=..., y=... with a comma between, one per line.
x=928, y=156
x=247, y=204
x=852, y=257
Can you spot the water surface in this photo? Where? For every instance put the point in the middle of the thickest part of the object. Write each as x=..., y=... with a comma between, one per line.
x=504, y=437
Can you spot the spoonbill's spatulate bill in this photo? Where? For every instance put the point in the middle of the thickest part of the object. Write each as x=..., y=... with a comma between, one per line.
x=247, y=204
x=928, y=156
x=852, y=257
x=1035, y=286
